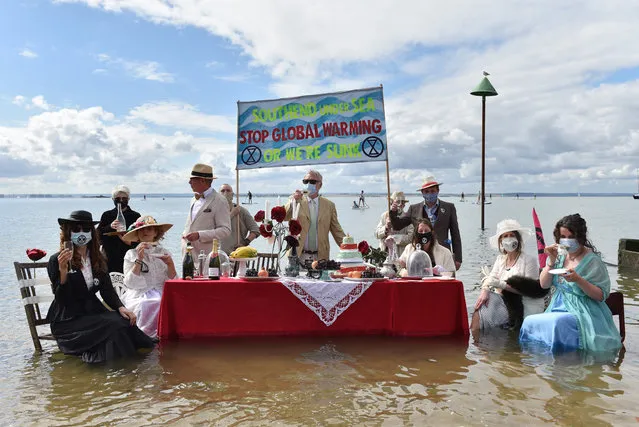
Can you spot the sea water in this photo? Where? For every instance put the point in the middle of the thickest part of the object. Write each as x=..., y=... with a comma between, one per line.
x=320, y=381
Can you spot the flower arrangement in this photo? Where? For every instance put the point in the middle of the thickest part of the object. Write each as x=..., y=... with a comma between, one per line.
x=274, y=229
x=374, y=256
x=36, y=254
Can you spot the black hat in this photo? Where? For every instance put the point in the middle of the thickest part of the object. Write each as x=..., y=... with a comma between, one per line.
x=78, y=216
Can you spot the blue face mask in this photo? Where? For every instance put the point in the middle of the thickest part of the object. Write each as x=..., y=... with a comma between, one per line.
x=312, y=189
x=572, y=245
x=80, y=238
x=430, y=197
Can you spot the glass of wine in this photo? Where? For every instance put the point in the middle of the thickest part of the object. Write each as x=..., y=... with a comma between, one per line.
x=69, y=245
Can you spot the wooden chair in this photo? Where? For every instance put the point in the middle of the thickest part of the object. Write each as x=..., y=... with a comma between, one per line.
x=34, y=290
x=615, y=304
x=117, y=279
x=263, y=259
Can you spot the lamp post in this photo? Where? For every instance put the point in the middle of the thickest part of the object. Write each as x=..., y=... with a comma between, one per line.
x=483, y=89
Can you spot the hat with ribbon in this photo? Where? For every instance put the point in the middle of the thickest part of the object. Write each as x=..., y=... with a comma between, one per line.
x=78, y=217
x=430, y=181
x=506, y=226
x=140, y=223
x=200, y=170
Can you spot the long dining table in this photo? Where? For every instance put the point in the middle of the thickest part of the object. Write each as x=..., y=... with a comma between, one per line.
x=237, y=307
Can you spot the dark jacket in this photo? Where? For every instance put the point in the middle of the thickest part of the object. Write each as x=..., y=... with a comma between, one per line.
x=73, y=299
x=446, y=222
x=114, y=247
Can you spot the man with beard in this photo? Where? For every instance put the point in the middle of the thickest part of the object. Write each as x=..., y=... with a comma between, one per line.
x=249, y=230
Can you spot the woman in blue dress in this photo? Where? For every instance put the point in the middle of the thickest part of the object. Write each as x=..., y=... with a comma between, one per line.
x=577, y=317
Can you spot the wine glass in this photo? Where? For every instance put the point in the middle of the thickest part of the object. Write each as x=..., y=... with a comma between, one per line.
x=69, y=245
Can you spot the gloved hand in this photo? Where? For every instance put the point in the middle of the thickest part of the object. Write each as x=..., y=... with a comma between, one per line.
x=437, y=270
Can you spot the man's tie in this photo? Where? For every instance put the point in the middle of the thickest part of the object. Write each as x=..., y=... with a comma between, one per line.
x=312, y=230
x=198, y=195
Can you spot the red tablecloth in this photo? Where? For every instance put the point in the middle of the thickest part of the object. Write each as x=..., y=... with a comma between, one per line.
x=230, y=307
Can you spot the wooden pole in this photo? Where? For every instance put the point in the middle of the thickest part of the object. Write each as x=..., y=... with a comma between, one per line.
x=388, y=193
x=237, y=198
x=483, y=158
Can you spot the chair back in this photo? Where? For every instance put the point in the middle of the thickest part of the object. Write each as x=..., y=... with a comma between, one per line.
x=117, y=279
x=615, y=304
x=35, y=289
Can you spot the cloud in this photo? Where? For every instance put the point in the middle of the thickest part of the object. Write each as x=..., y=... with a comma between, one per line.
x=28, y=53
x=37, y=102
x=147, y=70
x=180, y=115
x=18, y=100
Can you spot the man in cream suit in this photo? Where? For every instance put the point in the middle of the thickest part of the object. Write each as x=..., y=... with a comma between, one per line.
x=208, y=216
x=442, y=215
x=318, y=217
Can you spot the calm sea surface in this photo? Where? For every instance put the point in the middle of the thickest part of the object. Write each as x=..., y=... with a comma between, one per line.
x=323, y=381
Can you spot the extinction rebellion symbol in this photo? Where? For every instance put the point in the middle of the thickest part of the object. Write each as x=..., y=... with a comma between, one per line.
x=372, y=146
x=251, y=155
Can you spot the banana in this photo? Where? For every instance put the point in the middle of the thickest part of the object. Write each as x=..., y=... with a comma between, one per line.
x=244, y=252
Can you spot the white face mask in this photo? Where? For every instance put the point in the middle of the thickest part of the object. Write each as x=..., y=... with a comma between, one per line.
x=509, y=244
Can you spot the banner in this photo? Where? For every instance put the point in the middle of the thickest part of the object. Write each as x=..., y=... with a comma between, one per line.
x=342, y=127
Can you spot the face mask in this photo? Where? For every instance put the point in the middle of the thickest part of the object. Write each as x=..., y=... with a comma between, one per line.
x=572, y=245
x=123, y=203
x=430, y=197
x=229, y=197
x=80, y=238
x=509, y=244
x=424, y=238
x=312, y=189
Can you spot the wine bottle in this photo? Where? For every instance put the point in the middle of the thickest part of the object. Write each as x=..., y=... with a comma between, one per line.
x=214, y=262
x=188, y=265
x=121, y=220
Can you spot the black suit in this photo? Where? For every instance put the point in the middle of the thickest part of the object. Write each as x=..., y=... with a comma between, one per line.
x=114, y=247
x=446, y=222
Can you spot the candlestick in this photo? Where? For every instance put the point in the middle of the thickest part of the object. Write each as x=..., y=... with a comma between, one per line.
x=267, y=211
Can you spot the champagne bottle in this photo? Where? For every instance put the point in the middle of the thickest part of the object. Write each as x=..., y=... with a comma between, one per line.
x=188, y=265
x=214, y=262
x=121, y=220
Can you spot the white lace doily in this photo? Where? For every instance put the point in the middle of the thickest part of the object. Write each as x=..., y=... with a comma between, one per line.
x=326, y=299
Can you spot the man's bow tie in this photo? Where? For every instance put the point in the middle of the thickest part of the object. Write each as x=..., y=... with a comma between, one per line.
x=198, y=195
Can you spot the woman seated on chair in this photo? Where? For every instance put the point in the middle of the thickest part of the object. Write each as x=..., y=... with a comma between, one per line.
x=577, y=317
x=146, y=268
x=80, y=322
x=440, y=257
x=492, y=306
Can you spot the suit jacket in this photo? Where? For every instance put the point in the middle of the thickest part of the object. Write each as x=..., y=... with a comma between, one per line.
x=114, y=248
x=73, y=299
x=326, y=222
x=446, y=222
x=213, y=221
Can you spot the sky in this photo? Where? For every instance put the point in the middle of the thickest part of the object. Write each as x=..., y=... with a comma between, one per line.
x=95, y=93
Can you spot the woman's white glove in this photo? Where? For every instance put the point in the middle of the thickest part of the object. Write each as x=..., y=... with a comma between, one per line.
x=437, y=270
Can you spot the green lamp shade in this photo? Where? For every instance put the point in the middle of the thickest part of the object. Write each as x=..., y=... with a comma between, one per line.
x=484, y=88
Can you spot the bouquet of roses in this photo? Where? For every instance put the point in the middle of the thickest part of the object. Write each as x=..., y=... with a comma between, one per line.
x=374, y=256
x=36, y=254
x=274, y=229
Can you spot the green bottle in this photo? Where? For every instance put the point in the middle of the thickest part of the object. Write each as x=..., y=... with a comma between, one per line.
x=188, y=266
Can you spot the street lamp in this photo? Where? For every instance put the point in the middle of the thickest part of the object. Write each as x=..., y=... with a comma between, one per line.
x=483, y=89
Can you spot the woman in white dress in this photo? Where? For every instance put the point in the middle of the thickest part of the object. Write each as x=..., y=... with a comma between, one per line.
x=490, y=309
x=146, y=268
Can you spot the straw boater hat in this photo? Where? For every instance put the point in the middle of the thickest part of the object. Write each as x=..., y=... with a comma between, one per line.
x=399, y=196
x=78, y=217
x=201, y=170
x=430, y=181
x=504, y=227
x=139, y=224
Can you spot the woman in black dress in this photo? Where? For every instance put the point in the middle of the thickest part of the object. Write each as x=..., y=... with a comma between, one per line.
x=80, y=323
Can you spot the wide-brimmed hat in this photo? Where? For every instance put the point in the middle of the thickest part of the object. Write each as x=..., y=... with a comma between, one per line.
x=430, y=181
x=140, y=223
x=504, y=227
x=78, y=217
x=398, y=196
x=201, y=170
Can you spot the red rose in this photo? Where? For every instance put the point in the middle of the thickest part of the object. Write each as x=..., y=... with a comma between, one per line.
x=278, y=213
x=36, y=254
x=265, y=230
x=294, y=227
x=259, y=216
x=363, y=247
